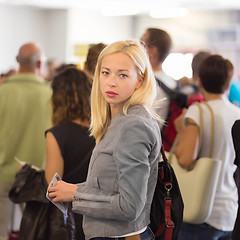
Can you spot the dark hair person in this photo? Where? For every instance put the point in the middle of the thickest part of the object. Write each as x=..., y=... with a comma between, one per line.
x=69, y=146
x=70, y=98
x=215, y=74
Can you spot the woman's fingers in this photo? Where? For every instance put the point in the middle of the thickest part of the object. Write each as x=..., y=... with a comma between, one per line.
x=62, y=191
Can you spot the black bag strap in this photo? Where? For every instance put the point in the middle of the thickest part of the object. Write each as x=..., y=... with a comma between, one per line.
x=166, y=89
x=163, y=155
x=180, y=98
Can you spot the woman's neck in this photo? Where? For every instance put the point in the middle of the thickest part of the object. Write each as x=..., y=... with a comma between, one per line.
x=212, y=96
x=116, y=109
x=84, y=123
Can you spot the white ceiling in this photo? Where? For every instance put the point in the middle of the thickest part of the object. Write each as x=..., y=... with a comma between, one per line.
x=131, y=6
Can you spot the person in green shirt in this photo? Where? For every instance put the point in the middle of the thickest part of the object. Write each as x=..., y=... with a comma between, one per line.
x=25, y=114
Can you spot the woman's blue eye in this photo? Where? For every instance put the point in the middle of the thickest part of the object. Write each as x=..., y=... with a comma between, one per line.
x=123, y=75
x=105, y=73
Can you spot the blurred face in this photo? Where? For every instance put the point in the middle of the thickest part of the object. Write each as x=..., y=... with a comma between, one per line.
x=144, y=39
x=118, y=80
x=151, y=50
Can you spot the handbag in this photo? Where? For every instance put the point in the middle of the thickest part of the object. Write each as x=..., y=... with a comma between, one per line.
x=198, y=184
x=41, y=219
x=167, y=205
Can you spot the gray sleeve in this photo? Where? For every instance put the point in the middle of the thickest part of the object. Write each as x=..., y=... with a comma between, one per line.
x=131, y=156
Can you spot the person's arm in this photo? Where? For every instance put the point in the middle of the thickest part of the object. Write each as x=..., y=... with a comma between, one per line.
x=187, y=149
x=54, y=160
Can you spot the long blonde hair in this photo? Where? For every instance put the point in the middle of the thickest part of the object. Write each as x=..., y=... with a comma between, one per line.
x=145, y=95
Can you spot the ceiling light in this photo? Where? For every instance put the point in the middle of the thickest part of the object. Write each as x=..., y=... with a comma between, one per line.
x=168, y=13
x=114, y=11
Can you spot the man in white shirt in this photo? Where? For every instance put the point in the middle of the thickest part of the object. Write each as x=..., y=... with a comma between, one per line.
x=158, y=44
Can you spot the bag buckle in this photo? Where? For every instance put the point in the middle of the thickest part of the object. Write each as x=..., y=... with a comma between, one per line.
x=170, y=224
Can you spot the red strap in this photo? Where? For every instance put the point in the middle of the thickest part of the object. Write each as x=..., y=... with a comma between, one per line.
x=168, y=220
x=160, y=230
x=169, y=224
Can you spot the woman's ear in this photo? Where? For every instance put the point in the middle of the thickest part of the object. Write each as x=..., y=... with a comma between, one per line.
x=199, y=83
x=227, y=86
x=200, y=86
x=139, y=82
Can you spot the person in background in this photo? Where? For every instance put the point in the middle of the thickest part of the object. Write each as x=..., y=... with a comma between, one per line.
x=236, y=143
x=234, y=93
x=25, y=113
x=192, y=89
x=51, y=65
x=91, y=61
x=8, y=74
x=158, y=44
x=63, y=66
x=69, y=146
x=215, y=74
x=116, y=197
x=190, y=86
x=196, y=62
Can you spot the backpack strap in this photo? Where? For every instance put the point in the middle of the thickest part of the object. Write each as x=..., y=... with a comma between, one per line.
x=180, y=99
x=166, y=89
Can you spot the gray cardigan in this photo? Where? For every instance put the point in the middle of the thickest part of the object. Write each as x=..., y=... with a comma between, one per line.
x=116, y=197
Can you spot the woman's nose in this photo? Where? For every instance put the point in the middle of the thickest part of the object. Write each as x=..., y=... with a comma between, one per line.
x=112, y=81
x=113, y=84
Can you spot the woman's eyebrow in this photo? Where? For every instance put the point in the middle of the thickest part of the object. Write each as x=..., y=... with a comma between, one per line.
x=120, y=70
x=105, y=68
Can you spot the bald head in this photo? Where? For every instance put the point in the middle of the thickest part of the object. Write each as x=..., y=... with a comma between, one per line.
x=30, y=56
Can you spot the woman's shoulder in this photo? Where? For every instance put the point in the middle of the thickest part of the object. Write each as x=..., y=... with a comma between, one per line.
x=57, y=128
x=137, y=110
x=139, y=117
x=194, y=106
x=138, y=113
x=67, y=128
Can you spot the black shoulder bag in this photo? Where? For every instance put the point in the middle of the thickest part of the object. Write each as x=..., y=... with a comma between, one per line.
x=167, y=205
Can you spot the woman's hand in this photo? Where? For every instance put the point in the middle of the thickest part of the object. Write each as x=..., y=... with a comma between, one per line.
x=62, y=191
x=20, y=167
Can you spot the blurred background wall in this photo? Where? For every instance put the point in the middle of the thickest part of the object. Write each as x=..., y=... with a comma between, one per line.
x=63, y=31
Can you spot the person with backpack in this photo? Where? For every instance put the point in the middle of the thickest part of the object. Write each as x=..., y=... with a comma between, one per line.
x=116, y=198
x=181, y=100
x=158, y=44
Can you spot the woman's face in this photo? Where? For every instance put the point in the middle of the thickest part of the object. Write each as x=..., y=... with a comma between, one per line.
x=118, y=80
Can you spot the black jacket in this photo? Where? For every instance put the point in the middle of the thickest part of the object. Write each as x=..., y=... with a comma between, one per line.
x=236, y=144
x=41, y=219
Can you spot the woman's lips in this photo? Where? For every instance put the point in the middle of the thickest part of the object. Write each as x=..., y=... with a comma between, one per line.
x=111, y=94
